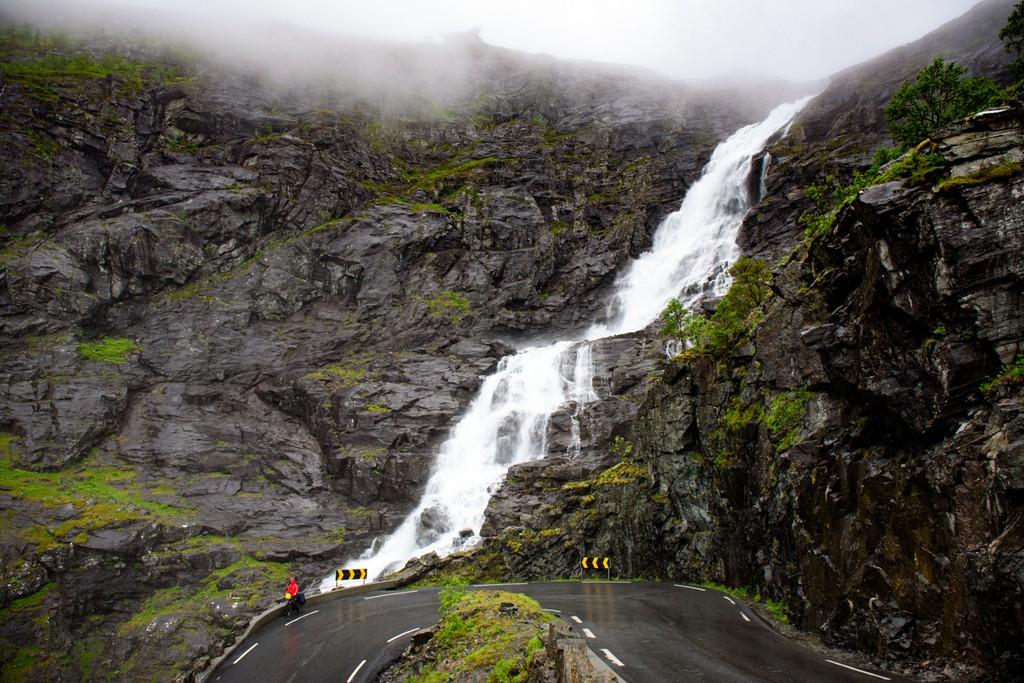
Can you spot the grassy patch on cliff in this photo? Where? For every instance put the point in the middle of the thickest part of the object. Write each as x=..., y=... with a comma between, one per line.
x=108, y=350
x=490, y=635
x=347, y=373
x=43, y=62
x=982, y=176
x=195, y=599
x=88, y=499
x=448, y=303
x=783, y=417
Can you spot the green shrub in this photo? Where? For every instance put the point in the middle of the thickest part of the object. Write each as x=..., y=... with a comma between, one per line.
x=452, y=593
x=1012, y=374
x=831, y=197
x=739, y=312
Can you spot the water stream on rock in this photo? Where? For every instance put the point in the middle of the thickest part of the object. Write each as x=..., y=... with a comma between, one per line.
x=507, y=422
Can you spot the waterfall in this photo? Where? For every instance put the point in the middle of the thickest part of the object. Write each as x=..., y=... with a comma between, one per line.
x=504, y=425
x=507, y=422
x=694, y=246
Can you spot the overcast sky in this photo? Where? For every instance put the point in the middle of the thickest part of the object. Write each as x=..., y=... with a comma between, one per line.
x=795, y=39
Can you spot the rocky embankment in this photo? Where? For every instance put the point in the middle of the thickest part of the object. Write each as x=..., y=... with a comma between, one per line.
x=239, y=314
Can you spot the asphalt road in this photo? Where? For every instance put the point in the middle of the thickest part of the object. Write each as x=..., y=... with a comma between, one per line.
x=645, y=632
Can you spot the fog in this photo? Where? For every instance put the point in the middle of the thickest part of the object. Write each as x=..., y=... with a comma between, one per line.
x=684, y=39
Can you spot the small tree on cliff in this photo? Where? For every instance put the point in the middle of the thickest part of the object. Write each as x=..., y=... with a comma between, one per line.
x=1013, y=35
x=939, y=94
x=737, y=313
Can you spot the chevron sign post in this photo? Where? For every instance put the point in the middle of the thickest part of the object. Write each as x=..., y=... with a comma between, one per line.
x=597, y=563
x=350, y=574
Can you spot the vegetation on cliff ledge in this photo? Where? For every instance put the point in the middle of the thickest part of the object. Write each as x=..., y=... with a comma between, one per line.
x=735, y=316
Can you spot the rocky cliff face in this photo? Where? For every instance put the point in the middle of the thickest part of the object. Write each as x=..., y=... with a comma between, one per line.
x=238, y=315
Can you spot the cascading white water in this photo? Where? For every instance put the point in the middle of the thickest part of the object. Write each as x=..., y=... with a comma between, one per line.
x=507, y=422
x=694, y=246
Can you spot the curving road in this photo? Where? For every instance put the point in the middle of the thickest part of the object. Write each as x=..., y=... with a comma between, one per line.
x=645, y=632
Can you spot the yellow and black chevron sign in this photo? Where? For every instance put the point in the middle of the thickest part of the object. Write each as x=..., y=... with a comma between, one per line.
x=595, y=562
x=349, y=574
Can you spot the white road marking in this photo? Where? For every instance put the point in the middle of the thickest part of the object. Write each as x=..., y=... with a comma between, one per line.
x=556, y=611
x=731, y=601
x=590, y=634
x=390, y=595
x=612, y=658
x=307, y=614
x=860, y=671
x=356, y=671
x=745, y=617
x=693, y=588
x=491, y=585
x=244, y=653
x=576, y=619
x=403, y=634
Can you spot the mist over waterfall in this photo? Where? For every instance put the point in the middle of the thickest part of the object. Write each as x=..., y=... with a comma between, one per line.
x=507, y=422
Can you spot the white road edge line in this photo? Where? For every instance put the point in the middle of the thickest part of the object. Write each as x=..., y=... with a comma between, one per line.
x=576, y=619
x=307, y=614
x=860, y=671
x=745, y=617
x=731, y=601
x=612, y=658
x=693, y=588
x=403, y=634
x=391, y=595
x=356, y=671
x=589, y=633
x=244, y=653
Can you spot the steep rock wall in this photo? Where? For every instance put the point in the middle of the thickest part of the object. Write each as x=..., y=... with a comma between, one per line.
x=239, y=316
x=847, y=463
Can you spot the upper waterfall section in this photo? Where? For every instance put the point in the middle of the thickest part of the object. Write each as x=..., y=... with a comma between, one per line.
x=694, y=246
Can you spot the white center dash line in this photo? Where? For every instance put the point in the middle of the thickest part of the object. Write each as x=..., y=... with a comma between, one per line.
x=244, y=653
x=576, y=619
x=731, y=601
x=693, y=588
x=860, y=671
x=307, y=614
x=745, y=617
x=403, y=634
x=390, y=595
x=588, y=633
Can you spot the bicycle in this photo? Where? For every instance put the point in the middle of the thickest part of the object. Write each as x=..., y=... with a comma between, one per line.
x=291, y=606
